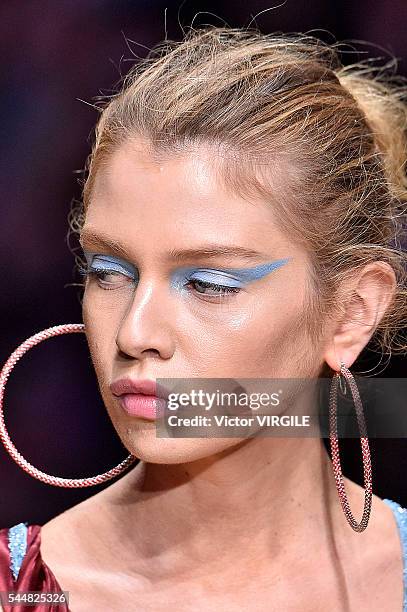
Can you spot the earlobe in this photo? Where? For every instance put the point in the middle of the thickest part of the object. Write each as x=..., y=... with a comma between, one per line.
x=343, y=348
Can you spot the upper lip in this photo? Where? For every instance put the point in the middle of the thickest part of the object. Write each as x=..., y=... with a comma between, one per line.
x=144, y=387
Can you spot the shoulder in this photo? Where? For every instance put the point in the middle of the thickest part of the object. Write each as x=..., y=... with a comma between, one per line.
x=382, y=546
x=74, y=541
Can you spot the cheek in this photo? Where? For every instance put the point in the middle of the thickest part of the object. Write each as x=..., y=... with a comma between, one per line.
x=266, y=339
x=100, y=325
x=102, y=310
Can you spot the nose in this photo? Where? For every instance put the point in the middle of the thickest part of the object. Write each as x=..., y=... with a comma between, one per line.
x=145, y=329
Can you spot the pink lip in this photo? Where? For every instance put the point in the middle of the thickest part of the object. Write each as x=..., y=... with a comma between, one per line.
x=146, y=387
x=142, y=406
x=139, y=398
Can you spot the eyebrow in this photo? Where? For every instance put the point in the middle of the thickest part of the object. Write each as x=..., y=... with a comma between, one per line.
x=204, y=251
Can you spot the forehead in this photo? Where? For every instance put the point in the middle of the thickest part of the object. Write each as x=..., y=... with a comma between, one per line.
x=181, y=198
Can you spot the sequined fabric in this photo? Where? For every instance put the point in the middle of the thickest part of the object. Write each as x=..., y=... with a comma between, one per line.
x=22, y=568
x=401, y=519
x=17, y=544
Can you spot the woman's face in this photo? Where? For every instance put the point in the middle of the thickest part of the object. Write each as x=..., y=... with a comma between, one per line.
x=204, y=286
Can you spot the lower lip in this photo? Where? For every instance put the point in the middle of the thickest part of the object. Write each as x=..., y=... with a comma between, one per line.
x=142, y=406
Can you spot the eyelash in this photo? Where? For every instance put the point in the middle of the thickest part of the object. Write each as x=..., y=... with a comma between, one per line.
x=99, y=273
x=222, y=290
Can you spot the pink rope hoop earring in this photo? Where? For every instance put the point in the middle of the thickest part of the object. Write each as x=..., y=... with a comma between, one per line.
x=5, y=438
x=333, y=434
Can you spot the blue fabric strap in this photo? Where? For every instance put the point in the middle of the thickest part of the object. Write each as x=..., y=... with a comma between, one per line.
x=400, y=514
x=17, y=545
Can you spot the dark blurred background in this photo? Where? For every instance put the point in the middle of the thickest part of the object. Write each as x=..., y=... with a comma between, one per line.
x=54, y=53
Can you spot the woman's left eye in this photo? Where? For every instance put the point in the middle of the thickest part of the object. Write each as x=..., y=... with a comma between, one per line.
x=200, y=286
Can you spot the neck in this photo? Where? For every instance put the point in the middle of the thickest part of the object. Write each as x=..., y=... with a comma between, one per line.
x=267, y=498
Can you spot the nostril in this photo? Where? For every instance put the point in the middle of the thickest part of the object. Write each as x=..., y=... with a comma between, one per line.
x=153, y=352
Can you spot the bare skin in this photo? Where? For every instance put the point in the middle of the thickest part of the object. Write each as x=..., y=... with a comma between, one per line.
x=211, y=523
x=311, y=561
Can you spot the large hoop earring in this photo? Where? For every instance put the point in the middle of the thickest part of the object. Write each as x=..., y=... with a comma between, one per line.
x=333, y=434
x=5, y=438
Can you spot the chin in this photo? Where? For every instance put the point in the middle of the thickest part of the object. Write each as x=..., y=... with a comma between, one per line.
x=141, y=440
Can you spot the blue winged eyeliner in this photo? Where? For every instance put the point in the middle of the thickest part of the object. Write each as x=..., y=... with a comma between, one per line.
x=222, y=277
x=228, y=277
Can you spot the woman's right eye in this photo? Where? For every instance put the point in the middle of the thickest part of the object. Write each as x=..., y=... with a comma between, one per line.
x=117, y=280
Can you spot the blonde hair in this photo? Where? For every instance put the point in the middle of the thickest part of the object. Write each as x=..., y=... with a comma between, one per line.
x=325, y=144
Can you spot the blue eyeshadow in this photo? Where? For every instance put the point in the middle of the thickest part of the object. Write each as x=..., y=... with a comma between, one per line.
x=229, y=277
x=106, y=262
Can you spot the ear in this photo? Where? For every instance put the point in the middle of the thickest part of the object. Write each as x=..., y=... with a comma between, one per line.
x=365, y=301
